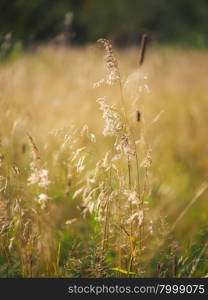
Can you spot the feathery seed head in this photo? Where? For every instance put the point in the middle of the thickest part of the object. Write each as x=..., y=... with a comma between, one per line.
x=113, y=124
x=113, y=75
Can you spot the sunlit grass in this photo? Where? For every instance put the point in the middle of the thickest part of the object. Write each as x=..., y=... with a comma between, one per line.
x=49, y=94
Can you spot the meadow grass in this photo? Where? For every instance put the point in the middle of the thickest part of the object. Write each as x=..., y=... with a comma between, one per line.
x=103, y=164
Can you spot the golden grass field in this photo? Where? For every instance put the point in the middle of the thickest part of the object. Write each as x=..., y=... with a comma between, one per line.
x=77, y=203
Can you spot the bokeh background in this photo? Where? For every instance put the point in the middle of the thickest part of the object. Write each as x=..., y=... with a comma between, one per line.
x=83, y=21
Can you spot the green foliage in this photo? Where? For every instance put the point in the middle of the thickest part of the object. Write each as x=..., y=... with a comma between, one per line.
x=190, y=260
x=179, y=21
x=123, y=271
x=11, y=51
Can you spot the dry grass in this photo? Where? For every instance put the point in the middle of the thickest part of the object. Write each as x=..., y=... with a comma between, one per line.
x=105, y=180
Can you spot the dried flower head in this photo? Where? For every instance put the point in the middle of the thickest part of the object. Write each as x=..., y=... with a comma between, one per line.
x=137, y=217
x=35, y=151
x=147, y=162
x=113, y=75
x=132, y=197
x=113, y=121
x=126, y=146
x=39, y=177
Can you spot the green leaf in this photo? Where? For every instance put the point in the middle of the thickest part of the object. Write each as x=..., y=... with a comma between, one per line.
x=123, y=271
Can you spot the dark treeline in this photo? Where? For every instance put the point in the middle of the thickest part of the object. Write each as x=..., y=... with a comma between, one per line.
x=82, y=21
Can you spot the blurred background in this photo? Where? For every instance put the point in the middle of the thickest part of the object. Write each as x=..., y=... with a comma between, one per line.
x=25, y=23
